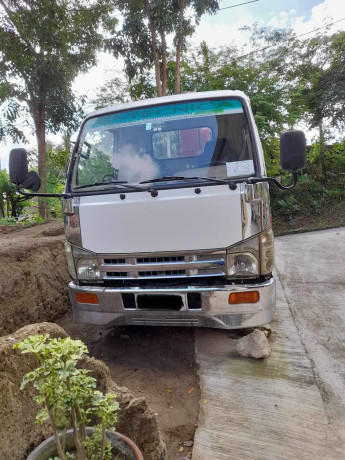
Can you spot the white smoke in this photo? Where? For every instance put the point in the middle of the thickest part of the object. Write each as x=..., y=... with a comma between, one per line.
x=133, y=166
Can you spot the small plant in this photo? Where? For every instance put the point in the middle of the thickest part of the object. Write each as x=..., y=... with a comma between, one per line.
x=8, y=221
x=288, y=206
x=34, y=219
x=68, y=398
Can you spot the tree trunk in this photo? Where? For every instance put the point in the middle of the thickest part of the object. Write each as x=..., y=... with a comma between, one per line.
x=154, y=48
x=42, y=168
x=322, y=147
x=164, y=63
x=7, y=206
x=179, y=48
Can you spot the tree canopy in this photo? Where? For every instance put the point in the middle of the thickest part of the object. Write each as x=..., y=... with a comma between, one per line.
x=44, y=45
x=142, y=40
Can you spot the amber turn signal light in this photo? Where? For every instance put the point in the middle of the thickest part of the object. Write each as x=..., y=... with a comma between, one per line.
x=86, y=298
x=244, y=297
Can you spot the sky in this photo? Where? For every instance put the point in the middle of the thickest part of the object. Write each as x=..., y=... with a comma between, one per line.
x=223, y=28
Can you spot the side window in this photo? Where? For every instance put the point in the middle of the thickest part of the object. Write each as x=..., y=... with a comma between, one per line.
x=180, y=143
x=95, y=158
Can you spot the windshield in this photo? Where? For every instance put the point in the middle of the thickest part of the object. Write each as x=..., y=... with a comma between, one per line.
x=207, y=138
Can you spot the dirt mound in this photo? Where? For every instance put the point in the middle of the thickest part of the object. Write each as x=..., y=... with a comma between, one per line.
x=20, y=433
x=33, y=276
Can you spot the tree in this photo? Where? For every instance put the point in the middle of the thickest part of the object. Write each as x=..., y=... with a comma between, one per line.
x=10, y=111
x=11, y=203
x=324, y=79
x=142, y=41
x=43, y=46
x=319, y=74
x=260, y=76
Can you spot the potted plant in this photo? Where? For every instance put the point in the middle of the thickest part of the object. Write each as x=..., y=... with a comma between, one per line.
x=68, y=398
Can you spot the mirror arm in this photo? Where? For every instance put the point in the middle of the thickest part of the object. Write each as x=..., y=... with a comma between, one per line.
x=254, y=180
x=44, y=195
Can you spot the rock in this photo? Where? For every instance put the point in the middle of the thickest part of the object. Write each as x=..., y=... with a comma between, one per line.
x=124, y=336
x=254, y=345
x=267, y=329
x=188, y=443
x=20, y=433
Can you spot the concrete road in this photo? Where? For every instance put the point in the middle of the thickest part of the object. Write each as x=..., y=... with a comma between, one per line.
x=292, y=405
x=311, y=268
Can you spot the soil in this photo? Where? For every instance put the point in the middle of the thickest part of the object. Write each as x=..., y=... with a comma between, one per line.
x=33, y=275
x=332, y=217
x=155, y=362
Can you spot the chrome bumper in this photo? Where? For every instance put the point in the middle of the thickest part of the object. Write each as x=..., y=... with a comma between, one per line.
x=215, y=310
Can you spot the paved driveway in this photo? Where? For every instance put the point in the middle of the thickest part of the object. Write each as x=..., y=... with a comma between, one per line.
x=311, y=268
x=290, y=406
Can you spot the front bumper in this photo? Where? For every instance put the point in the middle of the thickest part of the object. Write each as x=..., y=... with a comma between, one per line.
x=214, y=310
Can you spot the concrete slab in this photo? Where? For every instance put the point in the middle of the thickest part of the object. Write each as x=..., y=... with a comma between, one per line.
x=267, y=409
x=311, y=267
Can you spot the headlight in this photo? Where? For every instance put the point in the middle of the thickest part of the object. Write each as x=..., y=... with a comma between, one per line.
x=242, y=265
x=70, y=261
x=88, y=269
x=252, y=257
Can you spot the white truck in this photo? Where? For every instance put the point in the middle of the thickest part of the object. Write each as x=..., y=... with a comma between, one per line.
x=167, y=213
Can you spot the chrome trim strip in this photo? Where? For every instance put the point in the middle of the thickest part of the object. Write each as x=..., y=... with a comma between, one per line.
x=162, y=266
x=70, y=207
x=199, y=252
x=187, y=289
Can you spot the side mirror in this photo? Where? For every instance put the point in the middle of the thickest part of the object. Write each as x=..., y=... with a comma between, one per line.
x=293, y=150
x=19, y=174
x=18, y=165
x=33, y=181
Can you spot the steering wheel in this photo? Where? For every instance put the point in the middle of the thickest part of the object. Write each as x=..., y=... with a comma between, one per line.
x=214, y=163
x=107, y=178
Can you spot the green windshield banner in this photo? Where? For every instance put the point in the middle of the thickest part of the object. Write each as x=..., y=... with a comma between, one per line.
x=166, y=112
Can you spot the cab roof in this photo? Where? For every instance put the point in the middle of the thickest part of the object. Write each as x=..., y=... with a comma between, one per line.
x=167, y=99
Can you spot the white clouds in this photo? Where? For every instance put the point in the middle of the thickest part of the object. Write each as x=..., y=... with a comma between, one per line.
x=217, y=33
x=322, y=15
x=107, y=67
x=223, y=33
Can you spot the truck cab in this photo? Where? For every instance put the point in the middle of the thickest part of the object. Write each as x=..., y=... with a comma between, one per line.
x=167, y=215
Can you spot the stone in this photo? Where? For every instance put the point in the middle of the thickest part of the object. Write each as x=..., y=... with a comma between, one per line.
x=255, y=345
x=267, y=329
x=188, y=443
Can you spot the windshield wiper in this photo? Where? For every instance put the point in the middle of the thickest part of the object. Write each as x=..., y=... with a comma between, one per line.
x=178, y=178
x=165, y=179
x=119, y=183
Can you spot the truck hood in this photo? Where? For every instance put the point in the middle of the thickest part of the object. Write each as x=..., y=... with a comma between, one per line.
x=175, y=220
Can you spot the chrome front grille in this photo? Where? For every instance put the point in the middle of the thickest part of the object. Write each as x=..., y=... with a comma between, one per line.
x=114, y=261
x=162, y=273
x=158, y=260
x=142, y=266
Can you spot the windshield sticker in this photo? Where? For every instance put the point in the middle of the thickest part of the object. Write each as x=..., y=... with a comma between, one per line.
x=166, y=112
x=240, y=168
x=148, y=126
